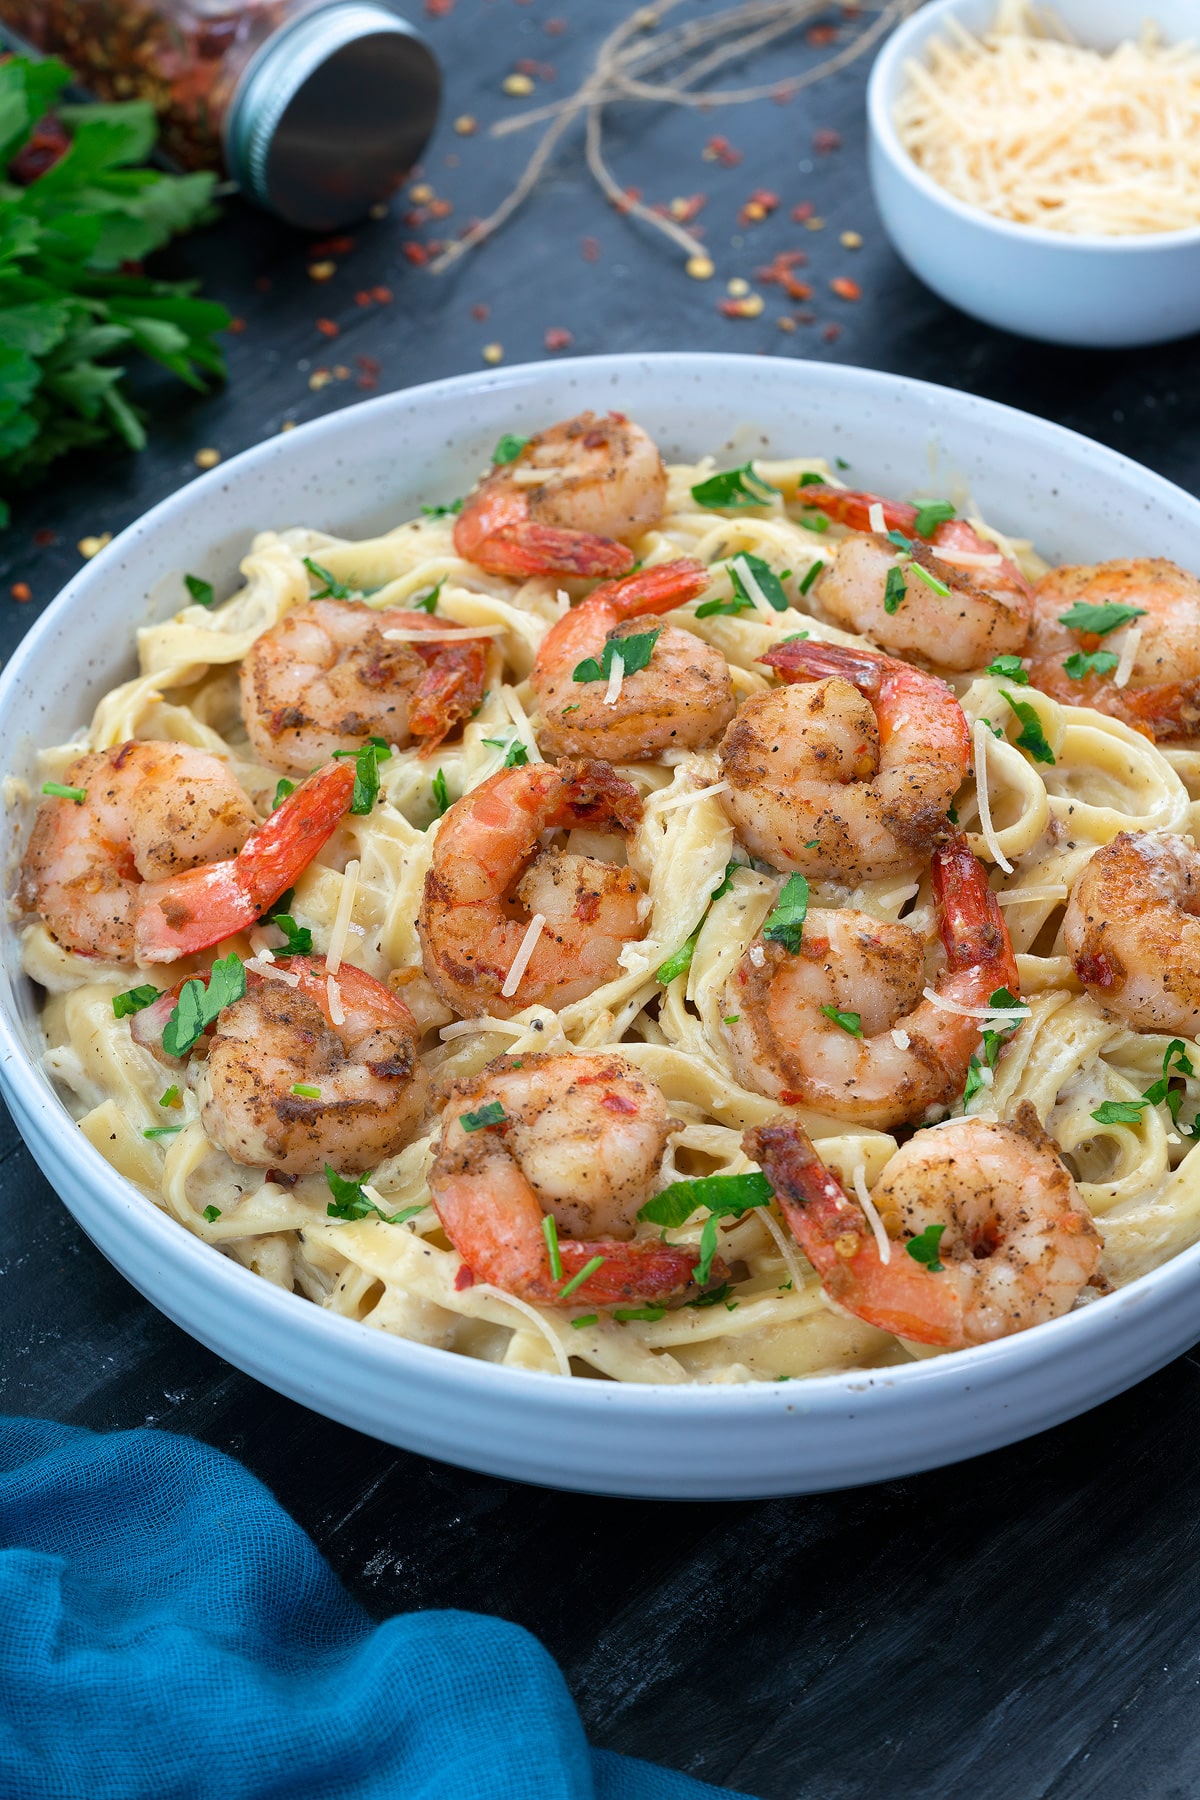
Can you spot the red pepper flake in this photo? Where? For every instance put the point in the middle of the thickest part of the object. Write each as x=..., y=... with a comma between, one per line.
x=802, y=213
x=335, y=246
x=464, y=1278
x=416, y=253
x=367, y=382
x=826, y=140
x=441, y=209
x=382, y=294
x=327, y=328
x=630, y=195
x=832, y=333
x=481, y=310
x=748, y=308
x=370, y=365
x=415, y=219
x=590, y=249
x=554, y=27
x=543, y=71
x=236, y=326
x=435, y=246
x=783, y=96
x=817, y=35
x=21, y=590
x=438, y=9
x=43, y=537
x=558, y=338
x=845, y=288
x=362, y=298
x=618, y=1103
x=686, y=208
x=719, y=149
x=789, y=1099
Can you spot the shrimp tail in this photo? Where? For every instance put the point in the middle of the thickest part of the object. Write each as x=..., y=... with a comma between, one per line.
x=969, y=917
x=646, y=1272
x=450, y=690
x=847, y=507
x=900, y=1295
x=594, y=794
x=525, y=549
x=193, y=911
x=804, y=659
x=659, y=589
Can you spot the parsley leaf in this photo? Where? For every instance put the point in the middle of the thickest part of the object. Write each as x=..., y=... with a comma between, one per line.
x=1010, y=668
x=901, y=542
x=894, y=590
x=1119, y=1112
x=366, y=773
x=333, y=588
x=508, y=450
x=283, y=788
x=634, y=651
x=709, y=609
x=763, y=575
x=624, y=1314
x=924, y=1248
x=199, y=1006
x=585, y=1319
x=517, y=755
x=157, y=1131
x=1098, y=662
x=1098, y=621
x=721, y=1194
x=550, y=1233
x=931, y=581
x=443, y=512
x=931, y=514
x=58, y=791
x=993, y=1040
x=734, y=488
x=133, y=1000
x=975, y=1080
x=299, y=937
x=350, y=1203
x=718, y=1296
x=811, y=575
x=813, y=520
x=1176, y=1062
x=679, y=962
x=1032, y=738
x=577, y=1281
x=429, y=603
x=441, y=793
x=212, y=1214
x=490, y=1114
x=850, y=1022
x=785, y=922
x=201, y=591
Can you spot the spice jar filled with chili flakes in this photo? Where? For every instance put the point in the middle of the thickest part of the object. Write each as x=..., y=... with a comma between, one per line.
x=317, y=108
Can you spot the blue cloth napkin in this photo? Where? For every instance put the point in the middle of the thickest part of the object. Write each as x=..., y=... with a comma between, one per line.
x=167, y=1632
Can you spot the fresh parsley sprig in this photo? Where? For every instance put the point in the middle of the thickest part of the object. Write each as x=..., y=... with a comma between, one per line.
x=199, y=1005
x=350, y=1203
x=1098, y=621
x=785, y=922
x=734, y=488
x=635, y=652
x=725, y=1196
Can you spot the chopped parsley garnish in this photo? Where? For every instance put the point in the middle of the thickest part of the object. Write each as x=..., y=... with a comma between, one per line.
x=850, y=1022
x=1098, y=621
x=1032, y=738
x=201, y=591
x=299, y=937
x=490, y=1114
x=931, y=514
x=283, y=788
x=428, y=604
x=366, y=772
x=157, y=1131
x=811, y=575
x=813, y=520
x=550, y=1233
x=924, y=1248
x=993, y=1043
x=441, y=793
x=709, y=609
x=624, y=1314
x=931, y=581
x=58, y=791
x=734, y=488
x=841, y=462
x=170, y=1097
x=442, y=512
x=1119, y=1112
x=577, y=1281
x=975, y=1080
x=349, y=1201
x=680, y=962
x=764, y=576
x=517, y=755
x=901, y=542
x=721, y=1194
x=785, y=922
x=1176, y=1054
x=633, y=650
x=894, y=590
x=304, y=1090
x=1082, y=663
x=133, y=1000
x=508, y=449
x=718, y=1296
x=584, y=1320
x=731, y=1018
x=333, y=588
x=1010, y=668
x=212, y=1214
x=810, y=478
x=199, y=1006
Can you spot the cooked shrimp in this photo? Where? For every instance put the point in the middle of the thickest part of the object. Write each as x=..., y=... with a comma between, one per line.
x=851, y=777
x=560, y=505
x=897, y=1053
x=164, y=856
x=488, y=882
x=1162, y=695
x=278, y=1039
x=681, y=700
x=992, y=1202
x=986, y=613
x=1132, y=926
x=326, y=678
x=577, y=1138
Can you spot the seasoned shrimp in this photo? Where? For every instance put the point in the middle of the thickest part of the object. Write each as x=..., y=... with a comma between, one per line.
x=559, y=506
x=1006, y=1241
x=488, y=883
x=681, y=700
x=896, y=1053
x=278, y=1038
x=327, y=678
x=164, y=855
x=988, y=609
x=1162, y=695
x=1132, y=926
x=576, y=1138
x=851, y=777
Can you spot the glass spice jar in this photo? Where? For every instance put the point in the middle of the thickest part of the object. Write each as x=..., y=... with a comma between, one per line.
x=317, y=108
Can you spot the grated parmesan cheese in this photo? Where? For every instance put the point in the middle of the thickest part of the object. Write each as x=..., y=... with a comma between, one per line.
x=1031, y=127
x=873, y=1218
x=334, y=992
x=616, y=676
x=901, y=1039
x=258, y=966
x=448, y=634
x=970, y=559
x=520, y=718
x=747, y=579
x=1130, y=642
x=341, y=920
x=520, y=962
x=1013, y=1015
x=1027, y=896
x=689, y=798
x=876, y=519
x=983, y=742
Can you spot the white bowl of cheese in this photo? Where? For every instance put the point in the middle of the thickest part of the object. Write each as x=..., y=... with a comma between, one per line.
x=1103, y=288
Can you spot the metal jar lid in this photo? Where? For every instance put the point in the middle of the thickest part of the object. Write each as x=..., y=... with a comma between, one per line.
x=332, y=113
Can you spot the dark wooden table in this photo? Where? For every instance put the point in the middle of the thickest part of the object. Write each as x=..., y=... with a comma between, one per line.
x=1024, y=1625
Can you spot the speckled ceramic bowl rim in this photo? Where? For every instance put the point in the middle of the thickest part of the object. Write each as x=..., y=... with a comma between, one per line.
x=986, y=1365
x=886, y=72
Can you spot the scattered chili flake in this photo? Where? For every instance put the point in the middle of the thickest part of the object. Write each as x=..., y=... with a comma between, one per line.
x=341, y=372
x=322, y=271
x=327, y=328
x=517, y=85
x=554, y=27
x=21, y=590
x=752, y=213
x=92, y=546
x=719, y=149
x=845, y=288
x=382, y=294
x=814, y=224
x=780, y=266
x=464, y=1278
x=466, y=125
x=832, y=333
x=438, y=9
x=370, y=365
x=416, y=253
x=685, y=209
x=320, y=378
x=334, y=246
x=480, y=310
x=44, y=537
x=440, y=209
x=420, y=193
x=558, y=338
x=367, y=382
x=493, y=353
x=850, y=240
x=590, y=249
x=415, y=218
x=784, y=95
x=749, y=308
x=435, y=246
x=207, y=459
x=802, y=213
x=236, y=327
x=818, y=35
x=630, y=195
x=543, y=71
x=700, y=268
x=362, y=298
x=786, y=324
x=825, y=140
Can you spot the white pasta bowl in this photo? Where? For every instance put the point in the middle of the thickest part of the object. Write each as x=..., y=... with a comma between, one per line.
x=369, y=466
x=1103, y=292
